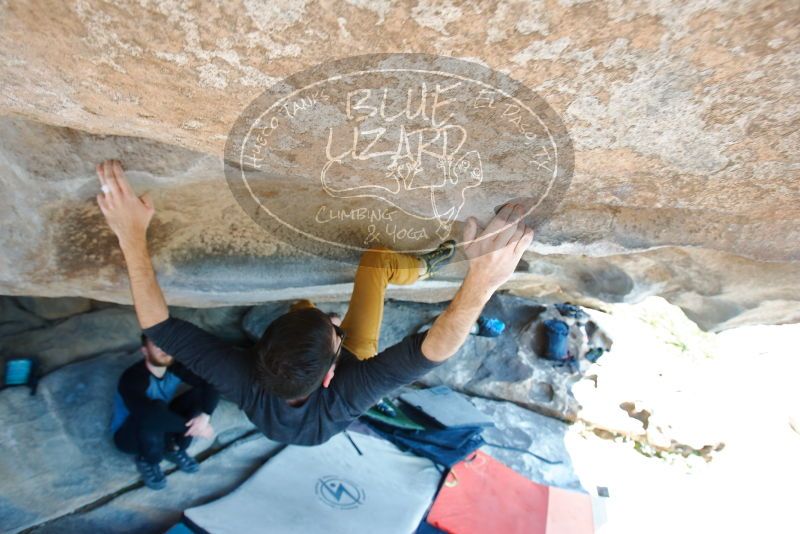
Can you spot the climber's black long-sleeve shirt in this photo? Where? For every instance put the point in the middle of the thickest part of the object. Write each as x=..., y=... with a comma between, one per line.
x=356, y=386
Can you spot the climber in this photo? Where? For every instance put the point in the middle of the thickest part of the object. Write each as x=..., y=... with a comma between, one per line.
x=285, y=383
x=150, y=422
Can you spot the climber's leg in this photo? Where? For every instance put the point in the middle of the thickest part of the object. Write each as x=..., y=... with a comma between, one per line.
x=301, y=305
x=377, y=269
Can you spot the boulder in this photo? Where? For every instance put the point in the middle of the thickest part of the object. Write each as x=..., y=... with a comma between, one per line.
x=75, y=338
x=55, y=308
x=400, y=318
x=58, y=455
x=681, y=118
x=15, y=319
x=517, y=430
x=108, y=327
x=224, y=322
x=259, y=318
x=508, y=367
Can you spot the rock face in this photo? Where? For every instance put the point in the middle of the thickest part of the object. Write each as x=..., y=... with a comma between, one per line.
x=76, y=338
x=683, y=121
x=516, y=429
x=55, y=308
x=95, y=328
x=16, y=319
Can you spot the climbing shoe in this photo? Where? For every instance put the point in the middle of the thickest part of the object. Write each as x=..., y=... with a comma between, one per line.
x=488, y=327
x=185, y=463
x=438, y=258
x=152, y=476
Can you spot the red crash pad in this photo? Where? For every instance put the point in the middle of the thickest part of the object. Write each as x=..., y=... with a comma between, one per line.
x=482, y=495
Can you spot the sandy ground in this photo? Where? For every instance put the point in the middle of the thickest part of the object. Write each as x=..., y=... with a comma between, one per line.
x=739, y=387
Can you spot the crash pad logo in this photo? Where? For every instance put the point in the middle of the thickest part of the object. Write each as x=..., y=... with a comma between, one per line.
x=394, y=150
x=339, y=493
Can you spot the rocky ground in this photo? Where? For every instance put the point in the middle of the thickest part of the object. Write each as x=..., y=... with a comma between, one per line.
x=61, y=473
x=670, y=419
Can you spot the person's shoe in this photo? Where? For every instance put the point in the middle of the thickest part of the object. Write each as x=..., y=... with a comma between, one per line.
x=185, y=463
x=438, y=258
x=152, y=476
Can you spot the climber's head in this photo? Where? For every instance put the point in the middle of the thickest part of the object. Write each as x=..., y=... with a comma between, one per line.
x=154, y=355
x=297, y=353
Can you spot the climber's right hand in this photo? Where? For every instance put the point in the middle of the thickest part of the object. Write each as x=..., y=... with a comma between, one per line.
x=495, y=251
x=126, y=214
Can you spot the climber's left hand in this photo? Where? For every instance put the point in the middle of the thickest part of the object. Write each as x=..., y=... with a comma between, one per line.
x=126, y=214
x=200, y=427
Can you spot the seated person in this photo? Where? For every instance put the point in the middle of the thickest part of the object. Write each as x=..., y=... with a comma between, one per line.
x=150, y=422
x=285, y=383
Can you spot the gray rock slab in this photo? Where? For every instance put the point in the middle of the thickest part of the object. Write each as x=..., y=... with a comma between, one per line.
x=142, y=510
x=15, y=319
x=75, y=338
x=400, y=318
x=258, y=318
x=525, y=430
x=57, y=450
x=224, y=322
x=108, y=327
x=502, y=368
x=55, y=308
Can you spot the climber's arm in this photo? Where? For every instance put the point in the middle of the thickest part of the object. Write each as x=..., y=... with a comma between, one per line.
x=128, y=216
x=148, y=300
x=493, y=255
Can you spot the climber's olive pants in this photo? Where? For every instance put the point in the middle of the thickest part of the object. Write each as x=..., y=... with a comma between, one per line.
x=376, y=270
